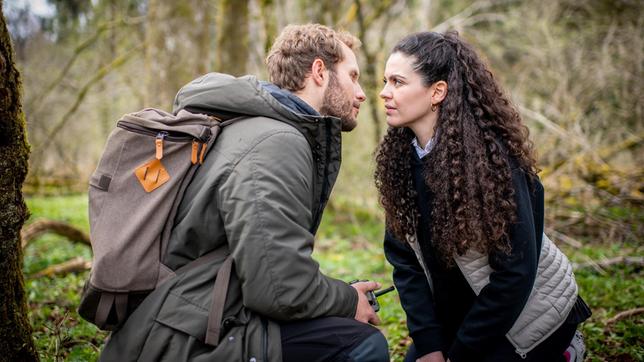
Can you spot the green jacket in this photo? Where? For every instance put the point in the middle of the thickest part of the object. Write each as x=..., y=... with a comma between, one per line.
x=260, y=193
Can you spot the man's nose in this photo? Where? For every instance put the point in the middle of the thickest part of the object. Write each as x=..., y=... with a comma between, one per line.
x=360, y=94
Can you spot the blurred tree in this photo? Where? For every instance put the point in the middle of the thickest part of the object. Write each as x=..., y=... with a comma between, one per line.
x=324, y=12
x=232, y=37
x=116, y=38
x=270, y=26
x=70, y=16
x=177, y=40
x=366, y=17
x=16, y=343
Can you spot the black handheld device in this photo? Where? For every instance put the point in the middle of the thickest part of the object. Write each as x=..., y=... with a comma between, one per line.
x=372, y=296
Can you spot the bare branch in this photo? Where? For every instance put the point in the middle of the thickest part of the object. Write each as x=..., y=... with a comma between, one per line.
x=544, y=121
x=625, y=314
x=75, y=265
x=590, y=263
x=564, y=238
x=606, y=263
x=483, y=18
x=41, y=227
x=99, y=75
x=461, y=17
x=38, y=100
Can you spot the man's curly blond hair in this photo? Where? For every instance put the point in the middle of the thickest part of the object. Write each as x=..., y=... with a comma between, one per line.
x=296, y=48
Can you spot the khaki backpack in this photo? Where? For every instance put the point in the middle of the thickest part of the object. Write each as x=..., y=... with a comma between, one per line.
x=148, y=162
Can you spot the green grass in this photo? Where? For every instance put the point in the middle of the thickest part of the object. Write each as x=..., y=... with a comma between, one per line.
x=59, y=332
x=348, y=246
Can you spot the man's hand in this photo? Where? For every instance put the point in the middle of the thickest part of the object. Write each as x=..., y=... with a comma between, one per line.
x=364, y=312
x=432, y=357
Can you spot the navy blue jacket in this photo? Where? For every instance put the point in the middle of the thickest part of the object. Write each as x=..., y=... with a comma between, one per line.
x=453, y=319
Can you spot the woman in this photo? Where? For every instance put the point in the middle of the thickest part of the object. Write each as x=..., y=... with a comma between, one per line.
x=464, y=207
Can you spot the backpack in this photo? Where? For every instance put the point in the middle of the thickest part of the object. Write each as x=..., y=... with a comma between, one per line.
x=148, y=161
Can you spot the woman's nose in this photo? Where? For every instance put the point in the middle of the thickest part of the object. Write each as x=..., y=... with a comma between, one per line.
x=385, y=93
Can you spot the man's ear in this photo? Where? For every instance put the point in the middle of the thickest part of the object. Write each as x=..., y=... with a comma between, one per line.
x=439, y=91
x=319, y=73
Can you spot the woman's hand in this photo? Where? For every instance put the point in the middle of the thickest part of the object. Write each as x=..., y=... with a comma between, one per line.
x=432, y=357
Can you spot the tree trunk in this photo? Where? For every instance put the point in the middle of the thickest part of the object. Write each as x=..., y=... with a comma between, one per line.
x=16, y=343
x=232, y=37
x=270, y=25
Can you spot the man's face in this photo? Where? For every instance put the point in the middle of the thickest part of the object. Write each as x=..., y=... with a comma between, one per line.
x=343, y=95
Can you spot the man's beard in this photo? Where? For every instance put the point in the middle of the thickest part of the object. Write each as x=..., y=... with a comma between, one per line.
x=334, y=104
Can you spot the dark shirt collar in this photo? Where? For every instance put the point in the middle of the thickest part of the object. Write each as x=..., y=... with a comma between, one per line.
x=289, y=100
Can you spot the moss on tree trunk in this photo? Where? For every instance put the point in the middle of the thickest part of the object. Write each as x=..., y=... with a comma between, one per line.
x=16, y=343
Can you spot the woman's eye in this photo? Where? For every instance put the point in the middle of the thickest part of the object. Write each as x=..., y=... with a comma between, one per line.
x=394, y=81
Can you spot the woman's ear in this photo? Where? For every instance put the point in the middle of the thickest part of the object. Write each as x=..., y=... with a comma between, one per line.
x=439, y=91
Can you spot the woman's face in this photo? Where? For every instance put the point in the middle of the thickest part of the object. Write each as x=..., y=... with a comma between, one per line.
x=407, y=99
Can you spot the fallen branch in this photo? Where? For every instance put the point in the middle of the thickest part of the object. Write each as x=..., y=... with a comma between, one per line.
x=606, y=263
x=41, y=227
x=590, y=263
x=625, y=314
x=75, y=265
x=564, y=238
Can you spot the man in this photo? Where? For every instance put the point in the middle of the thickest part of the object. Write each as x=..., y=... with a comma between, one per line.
x=260, y=193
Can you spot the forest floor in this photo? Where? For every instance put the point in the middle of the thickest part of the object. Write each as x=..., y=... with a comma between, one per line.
x=348, y=246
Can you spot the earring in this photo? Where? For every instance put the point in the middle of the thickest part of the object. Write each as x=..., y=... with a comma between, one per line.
x=434, y=107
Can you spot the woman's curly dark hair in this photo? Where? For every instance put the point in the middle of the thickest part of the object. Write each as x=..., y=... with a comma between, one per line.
x=468, y=170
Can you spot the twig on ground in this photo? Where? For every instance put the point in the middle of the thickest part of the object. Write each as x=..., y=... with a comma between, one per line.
x=623, y=315
x=590, y=263
x=606, y=263
x=564, y=238
x=77, y=264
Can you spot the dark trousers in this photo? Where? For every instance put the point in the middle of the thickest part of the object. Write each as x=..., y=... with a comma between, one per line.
x=332, y=339
x=550, y=350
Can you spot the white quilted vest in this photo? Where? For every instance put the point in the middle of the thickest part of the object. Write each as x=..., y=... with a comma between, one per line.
x=553, y=295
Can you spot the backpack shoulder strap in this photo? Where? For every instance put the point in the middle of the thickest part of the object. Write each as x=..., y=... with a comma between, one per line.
x=218, y=300
x=219, y=292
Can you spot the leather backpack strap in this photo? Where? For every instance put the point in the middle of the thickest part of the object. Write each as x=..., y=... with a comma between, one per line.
x=218, y=301
x=105, y=304
x=120, y=303
x=103, y=310
x=218, y=253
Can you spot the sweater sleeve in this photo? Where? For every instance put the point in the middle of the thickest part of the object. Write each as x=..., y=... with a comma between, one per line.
x=266, y=208
x=415, y=296
x=500, y=302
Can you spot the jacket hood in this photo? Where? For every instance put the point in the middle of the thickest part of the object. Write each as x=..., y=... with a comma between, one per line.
x=223, y=95
x=226, y=97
